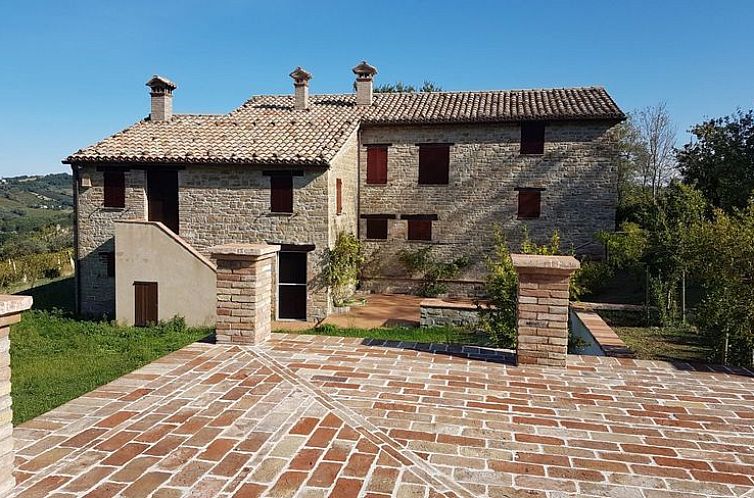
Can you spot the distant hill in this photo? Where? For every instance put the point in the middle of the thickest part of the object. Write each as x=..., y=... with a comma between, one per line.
x=31, y=206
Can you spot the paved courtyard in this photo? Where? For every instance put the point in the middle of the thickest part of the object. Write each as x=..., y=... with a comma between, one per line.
x=321, y=416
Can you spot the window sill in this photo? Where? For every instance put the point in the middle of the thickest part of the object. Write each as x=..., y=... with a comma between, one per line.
x=280, y=215
x=376, y=184
x=528, y=217
x=415, y=241
x=538, y=154
x=433, y=184
x=376, y=240
x=113, y=209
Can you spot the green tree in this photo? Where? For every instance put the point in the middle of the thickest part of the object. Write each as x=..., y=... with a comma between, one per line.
x=720, y=161
x=400, y=87
x=721, y=253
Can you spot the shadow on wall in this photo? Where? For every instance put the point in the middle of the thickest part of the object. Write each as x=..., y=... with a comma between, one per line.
x=56, y=295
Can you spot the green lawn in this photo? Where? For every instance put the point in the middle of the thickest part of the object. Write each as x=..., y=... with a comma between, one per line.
x=55, y=358
x=441, y=335
x=657, y=343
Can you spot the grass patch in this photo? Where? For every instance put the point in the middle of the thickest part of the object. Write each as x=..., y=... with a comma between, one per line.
x=658, y=343
x=440, y=335
x=55, y=358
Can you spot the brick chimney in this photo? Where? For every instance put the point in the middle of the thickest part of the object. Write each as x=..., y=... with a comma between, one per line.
x=364, y=76
x=301, y=79
x=161, y=90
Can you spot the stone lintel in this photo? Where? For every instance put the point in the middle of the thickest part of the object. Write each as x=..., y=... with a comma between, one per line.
x=11, y=305
x=243, y=251
x=534, y=263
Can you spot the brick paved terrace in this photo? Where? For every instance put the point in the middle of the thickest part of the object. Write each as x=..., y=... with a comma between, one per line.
x=321, y=416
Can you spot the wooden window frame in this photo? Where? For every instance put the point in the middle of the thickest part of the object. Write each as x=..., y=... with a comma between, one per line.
x=379, y=225
x=114, y=186
x=432, y=169
x=532, y=138
x=338, y=196
x=281, y=193
x=377, y=164
x=529, y=203
x=419, y=229
x=109, y=257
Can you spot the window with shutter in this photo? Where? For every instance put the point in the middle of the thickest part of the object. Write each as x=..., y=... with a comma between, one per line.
x=529, y=202
x=109, y=258
x=376, y=164
x=434, y=164
x=377, y=228
x=419, y=229
x=532, y=137
x=281, y=193
x=115, y=189
x=338, y=196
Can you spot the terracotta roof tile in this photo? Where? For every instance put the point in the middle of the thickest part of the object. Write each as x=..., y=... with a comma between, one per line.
x=268, y=130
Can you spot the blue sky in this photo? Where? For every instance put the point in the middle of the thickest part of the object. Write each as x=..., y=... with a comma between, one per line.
x=74, y=72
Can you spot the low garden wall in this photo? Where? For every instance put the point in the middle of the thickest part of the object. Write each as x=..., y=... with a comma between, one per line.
x=600, y=338
x=449, y=312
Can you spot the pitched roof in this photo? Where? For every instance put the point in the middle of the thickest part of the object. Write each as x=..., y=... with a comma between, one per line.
x=268, y=130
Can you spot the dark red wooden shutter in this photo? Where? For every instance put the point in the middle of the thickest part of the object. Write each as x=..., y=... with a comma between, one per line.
x=419, y=229
x=338, y=196
x=434, y=164
x=115, y=189
x=281, y=193
x=377, y=165
x=529, y=202
x=376, y=228
x=532, y=137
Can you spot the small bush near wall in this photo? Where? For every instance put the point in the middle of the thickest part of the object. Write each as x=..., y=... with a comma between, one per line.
x=499, y=321
x=340, y=267
x=423, y=264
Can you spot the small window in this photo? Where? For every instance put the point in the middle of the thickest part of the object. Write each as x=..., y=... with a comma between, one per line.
x=419, y=229
x=338, y=196
x=434, y=162
x=377, y=164
x=377, y=228
x=281, y=193
x=109, y=258
x=115, y=189
x=529, y=202
x=533, y=137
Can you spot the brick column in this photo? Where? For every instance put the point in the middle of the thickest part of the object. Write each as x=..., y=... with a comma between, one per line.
x=244, y=292
x=542, y=308
x=10, y=312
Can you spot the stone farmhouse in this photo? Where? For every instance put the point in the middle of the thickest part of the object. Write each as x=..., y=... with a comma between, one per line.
x=396, y=169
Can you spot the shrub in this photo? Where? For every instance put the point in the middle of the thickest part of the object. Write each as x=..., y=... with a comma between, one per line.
x=422, y=263
x=340, y=267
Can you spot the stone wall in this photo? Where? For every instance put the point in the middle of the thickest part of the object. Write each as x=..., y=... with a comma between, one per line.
x=439, y=313
x=225, y=204
x=576, y=172
x=95, y=237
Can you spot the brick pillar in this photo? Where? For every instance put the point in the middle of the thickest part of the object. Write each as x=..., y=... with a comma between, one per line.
x=10, y=312
x=244, y=292
x=542, y=308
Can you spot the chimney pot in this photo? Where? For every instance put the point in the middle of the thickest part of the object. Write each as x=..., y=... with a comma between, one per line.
x=161, y=91
x=301, y=79
x=364, y=76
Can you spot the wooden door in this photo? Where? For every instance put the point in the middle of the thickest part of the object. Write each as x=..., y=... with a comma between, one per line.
x=162, y=197
x=292, y=285
x=145, y=303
